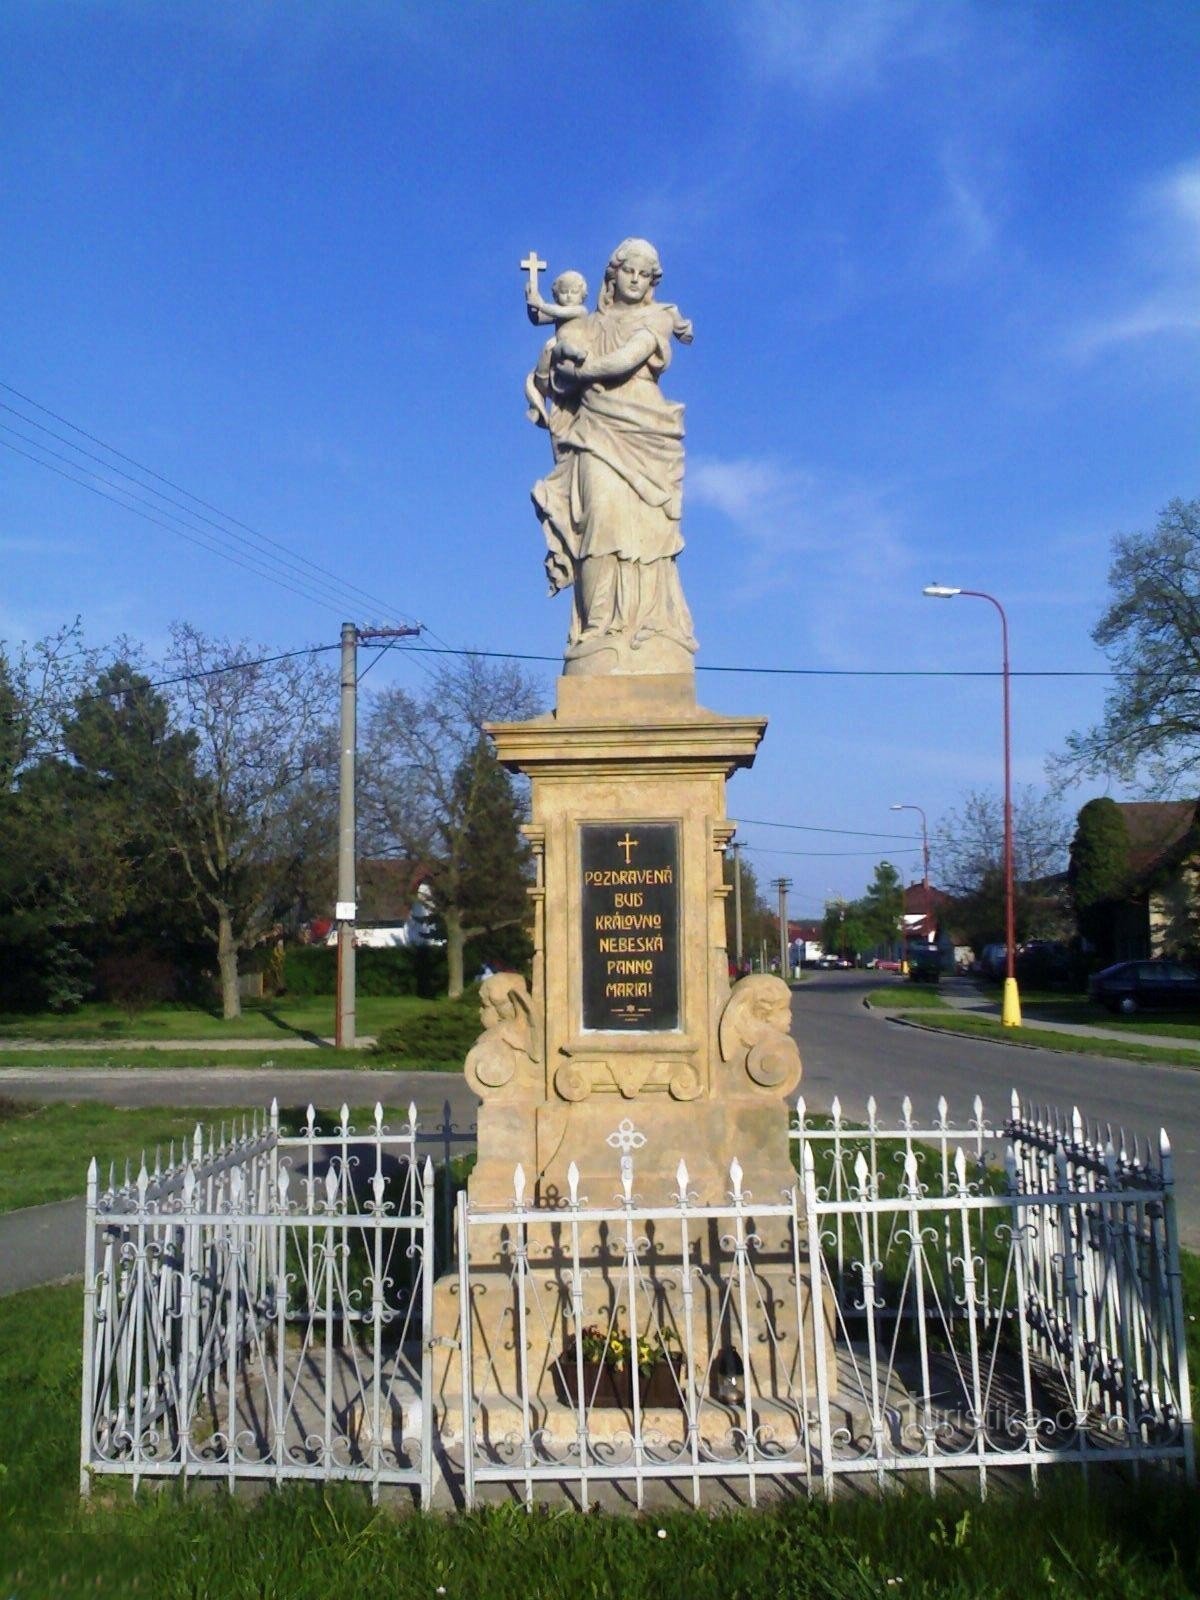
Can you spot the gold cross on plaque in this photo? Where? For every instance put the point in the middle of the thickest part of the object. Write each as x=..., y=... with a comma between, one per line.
x=627, y=844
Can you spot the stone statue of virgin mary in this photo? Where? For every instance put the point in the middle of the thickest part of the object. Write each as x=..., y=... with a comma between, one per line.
x=611, y=506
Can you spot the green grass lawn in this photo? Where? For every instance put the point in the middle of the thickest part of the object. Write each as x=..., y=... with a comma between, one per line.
x=1051, y=1005
x=906, y=996
x=44, y=1150
x=1072, y=1044
x=268, y=1020
x=1128, y=1540
x=147, y=1056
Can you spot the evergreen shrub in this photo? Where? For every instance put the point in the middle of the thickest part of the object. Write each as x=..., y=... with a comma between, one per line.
x=441, y=1031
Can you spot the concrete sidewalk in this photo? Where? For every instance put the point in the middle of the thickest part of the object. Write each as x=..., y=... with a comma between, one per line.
x=286, y=1041
x=41, y=1244
x=963, y=994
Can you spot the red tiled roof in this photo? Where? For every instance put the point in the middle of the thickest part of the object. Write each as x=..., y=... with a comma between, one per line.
x=1156, y=828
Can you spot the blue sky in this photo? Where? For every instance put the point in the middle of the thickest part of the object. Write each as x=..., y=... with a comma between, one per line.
x=943, y=262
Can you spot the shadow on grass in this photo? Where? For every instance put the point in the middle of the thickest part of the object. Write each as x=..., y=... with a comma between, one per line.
x=284, y=1026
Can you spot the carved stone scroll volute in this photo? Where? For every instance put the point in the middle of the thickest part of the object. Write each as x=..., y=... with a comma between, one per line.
x=755, y=1034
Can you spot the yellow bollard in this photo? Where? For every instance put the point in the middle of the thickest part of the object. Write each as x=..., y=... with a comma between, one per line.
x=1010, y=1010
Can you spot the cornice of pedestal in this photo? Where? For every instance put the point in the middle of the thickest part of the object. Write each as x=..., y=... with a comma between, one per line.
x=615, y=722
x=724, y=744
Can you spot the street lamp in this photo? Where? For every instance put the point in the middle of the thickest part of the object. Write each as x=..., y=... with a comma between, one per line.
x=1010, y=1011
x=924, y=861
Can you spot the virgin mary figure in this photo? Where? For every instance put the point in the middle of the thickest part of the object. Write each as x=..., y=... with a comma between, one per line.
x=611, y=507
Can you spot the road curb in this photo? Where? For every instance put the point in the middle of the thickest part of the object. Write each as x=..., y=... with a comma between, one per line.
x=1010, y=1044
x=1053, y=1050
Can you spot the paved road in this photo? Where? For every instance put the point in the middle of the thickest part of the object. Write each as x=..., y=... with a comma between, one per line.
x=42, y=1244
x=848, y=1051
x=853, y=1053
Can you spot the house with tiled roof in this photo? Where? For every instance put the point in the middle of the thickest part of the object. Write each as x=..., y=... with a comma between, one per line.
x=1161, y=913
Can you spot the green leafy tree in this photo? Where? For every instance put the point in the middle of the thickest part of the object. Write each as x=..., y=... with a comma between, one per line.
x=844, y=929
x=128, y=766
x=54, y=876
x=882, y=907
x=1151, y=636
x=428, y=794
x=493, y=899
x=759, y=924
x=1099, y=872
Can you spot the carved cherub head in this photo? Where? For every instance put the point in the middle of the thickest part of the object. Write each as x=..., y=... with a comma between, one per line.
x=757, y=1005
x=502, y=998
x=755, y=1030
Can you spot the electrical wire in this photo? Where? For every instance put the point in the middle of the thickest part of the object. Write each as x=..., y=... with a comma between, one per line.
x=804, y=827
x=769, y=850
x=325, y=575
x=789, y=672
x=192, y=538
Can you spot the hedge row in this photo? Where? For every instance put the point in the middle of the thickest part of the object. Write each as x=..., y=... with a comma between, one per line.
x=312, y=970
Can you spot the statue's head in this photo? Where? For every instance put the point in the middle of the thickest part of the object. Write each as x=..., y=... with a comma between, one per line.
x=640, y=259
x=569, y=289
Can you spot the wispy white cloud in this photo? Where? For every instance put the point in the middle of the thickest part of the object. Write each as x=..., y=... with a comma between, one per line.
x=833, y=544
x=972, y=216
x=840, y=47
x=1165, y=295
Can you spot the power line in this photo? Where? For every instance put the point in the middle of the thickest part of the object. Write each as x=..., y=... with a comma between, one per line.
x=178, y=529
x=314, y=587
x=792, y=672
x=324, y=573
x=808, y=827
x=769, y=850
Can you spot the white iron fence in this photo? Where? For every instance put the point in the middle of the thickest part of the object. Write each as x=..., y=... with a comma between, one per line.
x=906, y=1308
x=258, y=1307
x=1024, y=1317
x=926, y=1299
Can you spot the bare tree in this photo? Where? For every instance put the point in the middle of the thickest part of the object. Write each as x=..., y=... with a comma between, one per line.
x=429, y=790
x=38, y=683
x=263, y=813
x=968, y=849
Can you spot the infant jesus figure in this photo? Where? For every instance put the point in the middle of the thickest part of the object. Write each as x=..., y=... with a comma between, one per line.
x=570, y=292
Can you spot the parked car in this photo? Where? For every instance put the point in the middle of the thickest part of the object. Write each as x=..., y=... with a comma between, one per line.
x=925, y=966
x=993, y=961
x=1160, y=985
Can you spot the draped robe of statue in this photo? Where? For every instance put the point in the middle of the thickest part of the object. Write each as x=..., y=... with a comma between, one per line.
x=611, y=507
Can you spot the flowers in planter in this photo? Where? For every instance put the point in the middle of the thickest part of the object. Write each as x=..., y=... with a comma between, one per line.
x=613, y=1348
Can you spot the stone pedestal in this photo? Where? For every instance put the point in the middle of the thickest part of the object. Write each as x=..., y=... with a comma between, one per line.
x=631, y=970
x=631, y=1020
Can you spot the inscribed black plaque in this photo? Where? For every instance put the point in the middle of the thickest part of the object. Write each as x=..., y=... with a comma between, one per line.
x=630, y=926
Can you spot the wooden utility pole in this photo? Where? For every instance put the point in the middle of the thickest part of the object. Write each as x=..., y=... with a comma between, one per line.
x=346, y=911
x=783, y=885
x=346, y=908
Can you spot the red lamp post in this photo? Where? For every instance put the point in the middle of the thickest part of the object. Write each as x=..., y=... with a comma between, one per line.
x=1010, y=1012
